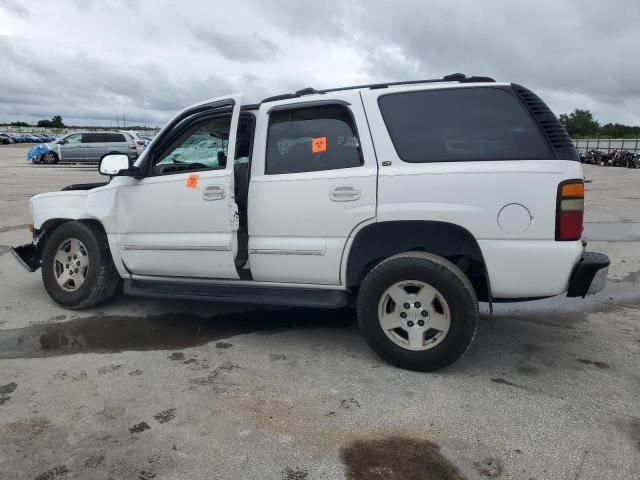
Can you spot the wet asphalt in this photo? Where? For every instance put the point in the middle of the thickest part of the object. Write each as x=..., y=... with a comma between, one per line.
x=148, y=389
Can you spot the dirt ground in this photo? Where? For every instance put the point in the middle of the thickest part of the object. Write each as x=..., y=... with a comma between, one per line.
x=151, y=389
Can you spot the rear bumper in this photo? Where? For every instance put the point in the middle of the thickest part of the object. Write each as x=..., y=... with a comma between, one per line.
x=27, y=256
x=589, y=275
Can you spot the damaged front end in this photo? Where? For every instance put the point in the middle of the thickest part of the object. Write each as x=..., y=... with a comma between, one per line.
x=36, y=153
x=28, y=256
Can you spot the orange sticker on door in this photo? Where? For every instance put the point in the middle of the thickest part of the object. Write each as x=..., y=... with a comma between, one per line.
x=319, y=144
x=192, y=180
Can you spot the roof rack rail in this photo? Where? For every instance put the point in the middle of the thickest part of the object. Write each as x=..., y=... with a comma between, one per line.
x=454, y=77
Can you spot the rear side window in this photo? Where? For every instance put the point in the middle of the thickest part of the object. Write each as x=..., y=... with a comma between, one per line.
x=465, y=124
x=113, y=137
x=91, y=138
x=312, y=139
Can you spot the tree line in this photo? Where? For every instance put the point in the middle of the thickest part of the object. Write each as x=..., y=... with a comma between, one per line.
x=55, y=122
x=581, y=124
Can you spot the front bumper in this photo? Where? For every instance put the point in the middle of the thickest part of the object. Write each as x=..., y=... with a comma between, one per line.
x=589, y=275
x=27, y=256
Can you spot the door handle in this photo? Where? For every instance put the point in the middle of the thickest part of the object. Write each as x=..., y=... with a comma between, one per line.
x=345, y=193
x=213, y=192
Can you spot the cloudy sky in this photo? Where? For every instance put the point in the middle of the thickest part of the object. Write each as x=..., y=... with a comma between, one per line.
x=90, y=60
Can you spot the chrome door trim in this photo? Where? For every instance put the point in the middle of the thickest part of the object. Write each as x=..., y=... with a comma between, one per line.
x=274, y=251
x=230, y=281
x=208, y=248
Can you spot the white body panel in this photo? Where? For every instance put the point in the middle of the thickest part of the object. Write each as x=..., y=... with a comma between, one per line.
x=165, y=228
x=529, y=268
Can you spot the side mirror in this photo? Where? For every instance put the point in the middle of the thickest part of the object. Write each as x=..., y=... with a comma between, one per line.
x=61, y=142
x=114, y=164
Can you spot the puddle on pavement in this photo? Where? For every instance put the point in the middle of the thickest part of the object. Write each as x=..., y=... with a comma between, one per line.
x=110, y=333
x=397, y=458
x=612, y=231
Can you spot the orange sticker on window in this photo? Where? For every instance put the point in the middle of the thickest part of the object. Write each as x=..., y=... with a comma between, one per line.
x=192, y=180
x=319, y=144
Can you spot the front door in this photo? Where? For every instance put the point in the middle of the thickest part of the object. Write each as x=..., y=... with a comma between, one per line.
x=72, y=150
x=181, y=220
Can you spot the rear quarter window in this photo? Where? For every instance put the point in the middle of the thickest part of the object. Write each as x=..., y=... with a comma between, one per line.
x=463, y=124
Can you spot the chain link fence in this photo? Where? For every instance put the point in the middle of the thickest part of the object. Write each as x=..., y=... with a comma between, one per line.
x=585, y=145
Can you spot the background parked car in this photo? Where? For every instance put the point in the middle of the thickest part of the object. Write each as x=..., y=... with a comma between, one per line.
x=139, y=141
x=87, y=147
x=5, y=140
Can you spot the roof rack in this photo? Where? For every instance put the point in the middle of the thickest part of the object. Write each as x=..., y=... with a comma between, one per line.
x=454, y=77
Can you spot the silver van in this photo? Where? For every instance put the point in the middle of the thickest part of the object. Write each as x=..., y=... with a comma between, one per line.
x=89, y=147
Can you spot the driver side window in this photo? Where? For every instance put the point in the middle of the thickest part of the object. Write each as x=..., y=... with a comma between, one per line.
x=203, y=146
x=75, y=138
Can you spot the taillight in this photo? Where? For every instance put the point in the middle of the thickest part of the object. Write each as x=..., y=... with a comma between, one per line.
x=570, y=210
x=132, y=146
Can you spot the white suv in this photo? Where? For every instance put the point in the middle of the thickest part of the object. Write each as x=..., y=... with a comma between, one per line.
x=411, y=200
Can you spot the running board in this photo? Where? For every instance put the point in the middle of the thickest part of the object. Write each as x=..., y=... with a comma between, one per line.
x=254, y=295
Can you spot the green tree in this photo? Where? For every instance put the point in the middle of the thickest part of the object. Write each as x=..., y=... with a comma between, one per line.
x=580, y=123
x=55, y=122
x=19, y=124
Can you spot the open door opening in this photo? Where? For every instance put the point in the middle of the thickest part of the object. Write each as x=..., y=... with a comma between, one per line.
x=242, y=175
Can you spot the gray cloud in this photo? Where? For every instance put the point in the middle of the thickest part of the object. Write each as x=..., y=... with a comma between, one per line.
x=14, y=7
x=236, y=47
x=150, y=58
x=564, y=48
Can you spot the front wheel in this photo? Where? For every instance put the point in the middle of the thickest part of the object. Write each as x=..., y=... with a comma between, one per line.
x=50, y=158
x=77, y=268
x=418, y=311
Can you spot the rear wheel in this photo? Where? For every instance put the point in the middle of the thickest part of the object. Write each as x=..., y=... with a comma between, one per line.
x=418, y=311
x=77, y=268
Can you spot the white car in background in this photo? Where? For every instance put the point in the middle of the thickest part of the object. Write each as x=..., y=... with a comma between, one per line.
x=139, y=142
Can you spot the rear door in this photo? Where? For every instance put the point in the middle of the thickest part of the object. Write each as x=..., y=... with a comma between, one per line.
x=93, y=144
x=181, y=219
x=119, y=142
x=310, y=188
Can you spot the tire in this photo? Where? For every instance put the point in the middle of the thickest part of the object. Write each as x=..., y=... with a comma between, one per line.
x=50, y=158
x=96, y=275
x=434, y=344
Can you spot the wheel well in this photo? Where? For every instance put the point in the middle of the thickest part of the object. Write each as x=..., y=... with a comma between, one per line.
x=379, y=241
x=50, y=225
